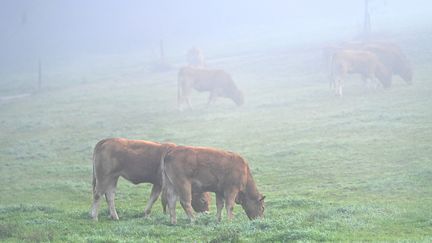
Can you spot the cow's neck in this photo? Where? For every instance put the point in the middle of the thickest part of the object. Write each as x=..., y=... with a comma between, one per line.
x=251, y=190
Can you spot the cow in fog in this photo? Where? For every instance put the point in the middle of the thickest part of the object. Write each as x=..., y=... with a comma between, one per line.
x=390, y=54
x=200, y=169
x=365, y=63
x=217, y=82
x=195, y=57
x=393, y=58
x=137, y=161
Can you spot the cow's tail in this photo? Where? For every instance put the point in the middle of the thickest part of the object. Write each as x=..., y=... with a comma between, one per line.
x=94, y=176
x=332, y=74
x=95, y=152
x=166, y=180
x=179, y=88
x=167, y=148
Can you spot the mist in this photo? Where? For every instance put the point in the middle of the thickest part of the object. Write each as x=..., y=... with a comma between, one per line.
x=64, y=32
x=326, y=115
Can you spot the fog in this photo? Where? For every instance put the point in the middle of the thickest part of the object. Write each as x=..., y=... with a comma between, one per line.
x=64, y=32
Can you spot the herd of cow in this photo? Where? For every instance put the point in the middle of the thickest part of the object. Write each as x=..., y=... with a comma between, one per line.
x=375, y=61
x=182, y=173
x=187, y=174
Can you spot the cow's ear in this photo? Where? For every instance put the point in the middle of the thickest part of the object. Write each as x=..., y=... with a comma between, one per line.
x=262, y=198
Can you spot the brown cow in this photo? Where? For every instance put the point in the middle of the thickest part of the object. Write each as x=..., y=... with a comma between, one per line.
x=137, y=161
x=217, y=82
x=201, y=169
x=365, y=63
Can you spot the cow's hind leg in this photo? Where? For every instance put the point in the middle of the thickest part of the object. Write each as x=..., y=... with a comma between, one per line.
x=100, y=187
x=338, y=87
x=155, y=192
x=164, y=200
x=171, y=198
x=185, y=197
x=110, y=197
x=95, y=206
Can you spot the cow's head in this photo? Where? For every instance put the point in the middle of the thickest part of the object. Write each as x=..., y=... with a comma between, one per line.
x=235, y=95
x=254, y=207
x=201, y=202
x=230, y=90
x=406, y=73
x=384, y=75
x=238, y=97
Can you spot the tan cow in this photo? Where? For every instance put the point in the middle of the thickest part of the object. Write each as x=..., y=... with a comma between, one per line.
x=365, y=63
x=137, y=161
x=201, y=169
x=217, y=82
x=390, y=54
x=195, y=57
x=393, y=58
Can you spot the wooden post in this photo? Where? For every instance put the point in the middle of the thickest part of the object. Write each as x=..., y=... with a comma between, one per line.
x=367, y=22
x=162, y=54
x=39, y=86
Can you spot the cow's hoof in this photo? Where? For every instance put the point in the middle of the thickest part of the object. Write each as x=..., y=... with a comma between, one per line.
x=93, y=217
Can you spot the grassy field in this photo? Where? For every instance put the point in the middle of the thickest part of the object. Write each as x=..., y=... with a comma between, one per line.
x=352, y=169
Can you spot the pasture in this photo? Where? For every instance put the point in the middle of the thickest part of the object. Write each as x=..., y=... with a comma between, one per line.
x=332, y=169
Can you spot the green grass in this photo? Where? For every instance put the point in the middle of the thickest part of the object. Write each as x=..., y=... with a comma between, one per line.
x=351, y=169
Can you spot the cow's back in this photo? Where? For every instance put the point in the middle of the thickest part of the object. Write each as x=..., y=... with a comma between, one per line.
x=207, y=169
x=393, y=57
x=357, y=61
x=204, y=79
x=136, y=160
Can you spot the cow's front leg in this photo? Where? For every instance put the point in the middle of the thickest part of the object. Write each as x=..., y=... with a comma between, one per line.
x=229, y=203
x=219, y=206
x=212, y=98
x=155, y=192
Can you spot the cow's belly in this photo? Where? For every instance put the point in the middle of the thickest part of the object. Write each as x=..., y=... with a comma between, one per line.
x=201, y=85
x=137, y=178
x=199, y=186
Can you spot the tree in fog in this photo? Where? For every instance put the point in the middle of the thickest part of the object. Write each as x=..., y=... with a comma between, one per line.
x=367, y=22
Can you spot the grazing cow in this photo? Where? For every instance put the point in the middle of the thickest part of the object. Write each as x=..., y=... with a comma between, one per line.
x=393, y=58
x=137, y=161
x=388, y=53
x=200, y=169
x=365, y=63
x=195, y=57
x=217, y=82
